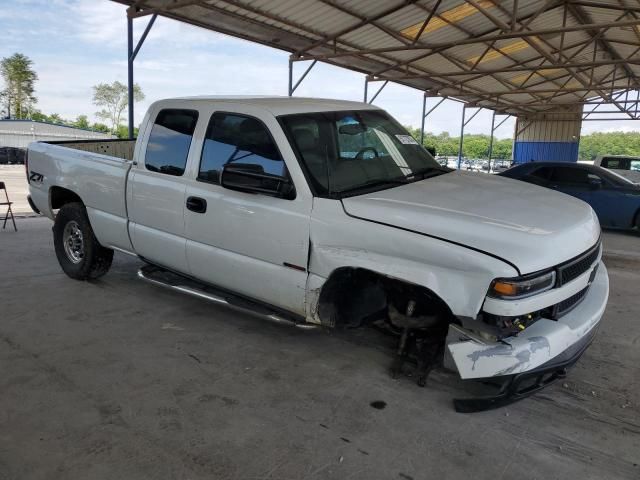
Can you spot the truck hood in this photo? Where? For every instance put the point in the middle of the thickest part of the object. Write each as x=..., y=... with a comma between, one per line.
x=531, y=227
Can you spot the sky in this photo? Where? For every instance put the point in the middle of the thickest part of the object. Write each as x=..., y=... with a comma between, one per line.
x=76, y=44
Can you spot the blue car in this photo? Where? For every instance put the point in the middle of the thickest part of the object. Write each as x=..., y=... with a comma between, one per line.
x=615, y=200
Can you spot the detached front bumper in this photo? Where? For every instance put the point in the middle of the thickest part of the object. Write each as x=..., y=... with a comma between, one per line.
x=534, y=358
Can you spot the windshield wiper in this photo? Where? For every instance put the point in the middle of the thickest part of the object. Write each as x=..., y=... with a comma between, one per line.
x=427, y=172
x=375, y=183
x=395, y=181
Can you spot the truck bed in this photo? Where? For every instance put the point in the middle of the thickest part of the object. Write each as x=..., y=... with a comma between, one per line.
x=111, y=147
x=96, y=171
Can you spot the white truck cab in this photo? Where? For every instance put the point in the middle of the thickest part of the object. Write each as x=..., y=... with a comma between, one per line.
x=627, y=167
x=328, y=212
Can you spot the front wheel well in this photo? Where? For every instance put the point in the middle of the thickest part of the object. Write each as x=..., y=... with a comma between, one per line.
x=352, y=296
x=59, y=196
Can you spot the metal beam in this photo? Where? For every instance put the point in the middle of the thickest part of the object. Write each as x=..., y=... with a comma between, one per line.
x=132, y=53
x=463, y=124
x=144, y=36
x=587, y=88
x=375, y=94
x=130, y=75
x=546, y=6
x=493, y=123
x=292, y=88
x=509, y=69
x=461, y=144
x=363, y=21
x=490, y=38
x=426, y=114
x=433, y=11
x=606, y=6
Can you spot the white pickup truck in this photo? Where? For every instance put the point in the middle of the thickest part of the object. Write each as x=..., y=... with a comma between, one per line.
x=324, y=212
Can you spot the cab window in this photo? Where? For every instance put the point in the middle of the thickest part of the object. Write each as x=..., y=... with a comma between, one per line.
x=540, y=175
x=615, y=163
x=241, y=140
x=568, y=175
x=169, y=141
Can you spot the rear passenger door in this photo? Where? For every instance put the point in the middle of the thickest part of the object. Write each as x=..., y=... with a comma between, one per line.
x=251, y=243
x=156, y=189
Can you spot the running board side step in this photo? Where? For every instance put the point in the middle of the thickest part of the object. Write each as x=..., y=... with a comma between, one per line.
x=167, y=279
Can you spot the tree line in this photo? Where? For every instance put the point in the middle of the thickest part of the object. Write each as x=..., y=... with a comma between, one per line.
x=477, y=145
x=474, y=146
x=18, y=100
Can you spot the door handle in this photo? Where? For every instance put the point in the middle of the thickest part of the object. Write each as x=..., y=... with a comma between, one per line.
x=197, y=204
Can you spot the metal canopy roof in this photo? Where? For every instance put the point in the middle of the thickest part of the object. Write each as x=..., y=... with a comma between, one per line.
x=519, y=57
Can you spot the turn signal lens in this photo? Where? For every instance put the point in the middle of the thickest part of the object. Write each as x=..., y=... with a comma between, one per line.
x=504, y=288
x=513, y=288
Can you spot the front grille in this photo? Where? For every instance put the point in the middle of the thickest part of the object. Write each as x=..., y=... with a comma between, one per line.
x=565, y=306
x=576, y=267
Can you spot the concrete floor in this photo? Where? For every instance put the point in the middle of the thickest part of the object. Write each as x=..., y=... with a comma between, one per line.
x=15, y=179
x=118, y=379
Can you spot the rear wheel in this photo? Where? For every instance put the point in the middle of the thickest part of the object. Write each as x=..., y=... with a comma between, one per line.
x=77, y=249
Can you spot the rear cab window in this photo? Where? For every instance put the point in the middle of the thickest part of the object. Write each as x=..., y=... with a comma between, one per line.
x=614, y=163
x=170, y=140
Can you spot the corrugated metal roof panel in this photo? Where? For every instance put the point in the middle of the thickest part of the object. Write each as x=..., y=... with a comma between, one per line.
x=309, y=26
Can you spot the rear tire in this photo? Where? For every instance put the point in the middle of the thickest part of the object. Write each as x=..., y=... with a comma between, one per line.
x=77, y=249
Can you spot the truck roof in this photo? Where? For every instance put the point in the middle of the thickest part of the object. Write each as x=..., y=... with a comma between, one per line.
x=280, y=105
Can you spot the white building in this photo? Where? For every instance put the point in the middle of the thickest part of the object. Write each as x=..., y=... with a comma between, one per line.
x=16, y=135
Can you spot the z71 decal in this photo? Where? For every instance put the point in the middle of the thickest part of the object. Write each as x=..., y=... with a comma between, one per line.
x=35, y=177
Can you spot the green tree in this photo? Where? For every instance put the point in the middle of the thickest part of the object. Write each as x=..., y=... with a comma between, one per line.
x=123, y=132
x=609, y=143
x=100, y=127
x=19, y=79
x=113, y=97
x=82, y=121
x=55, y=118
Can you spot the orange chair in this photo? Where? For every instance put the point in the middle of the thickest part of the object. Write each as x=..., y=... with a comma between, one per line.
x=9, y=211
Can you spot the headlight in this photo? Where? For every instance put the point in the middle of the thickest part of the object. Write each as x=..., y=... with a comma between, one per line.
x=513, y=288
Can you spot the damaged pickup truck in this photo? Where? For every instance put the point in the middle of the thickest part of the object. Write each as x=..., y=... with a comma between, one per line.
x=323, y=212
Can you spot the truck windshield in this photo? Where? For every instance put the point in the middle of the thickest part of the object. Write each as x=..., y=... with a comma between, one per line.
x=352, y=152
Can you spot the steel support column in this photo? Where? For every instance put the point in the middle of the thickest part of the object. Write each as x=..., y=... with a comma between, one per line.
x=375, y=95
x=494, y=127
x=130, y=73
x=493, y=123
x=425, y=114
x=132, y=53
x=462, y=125
x=292, y=87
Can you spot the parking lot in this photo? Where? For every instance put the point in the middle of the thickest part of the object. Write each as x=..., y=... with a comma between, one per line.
x=120, y=379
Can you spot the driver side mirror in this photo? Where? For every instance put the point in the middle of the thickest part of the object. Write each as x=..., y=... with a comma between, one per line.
x=595, y=183
x=252, y=178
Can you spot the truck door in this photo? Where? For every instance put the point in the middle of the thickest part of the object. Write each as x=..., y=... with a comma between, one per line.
x=156, y=189
x=255, y=244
